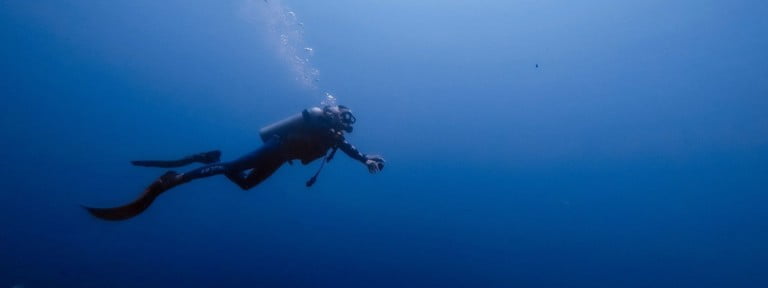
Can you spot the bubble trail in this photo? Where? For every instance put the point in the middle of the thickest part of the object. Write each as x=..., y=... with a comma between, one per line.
x=286, y=34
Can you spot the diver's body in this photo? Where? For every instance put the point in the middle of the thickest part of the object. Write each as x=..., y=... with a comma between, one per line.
x=304, y=137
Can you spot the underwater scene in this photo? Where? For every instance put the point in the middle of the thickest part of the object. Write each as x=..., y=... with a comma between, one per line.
x=295, y=143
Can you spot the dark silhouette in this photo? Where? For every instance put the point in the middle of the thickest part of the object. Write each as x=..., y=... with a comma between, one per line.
x=307, y=136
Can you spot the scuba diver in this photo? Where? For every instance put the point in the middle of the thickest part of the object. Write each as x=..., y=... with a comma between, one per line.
x=306, y=136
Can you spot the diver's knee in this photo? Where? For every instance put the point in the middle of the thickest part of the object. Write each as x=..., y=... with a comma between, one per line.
x=245, y=187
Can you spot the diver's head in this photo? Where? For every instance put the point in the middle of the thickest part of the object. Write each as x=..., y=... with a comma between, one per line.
x=339, y=117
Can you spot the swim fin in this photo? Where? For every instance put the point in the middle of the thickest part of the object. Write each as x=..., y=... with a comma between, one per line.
x=130, y=210
x=205, y=158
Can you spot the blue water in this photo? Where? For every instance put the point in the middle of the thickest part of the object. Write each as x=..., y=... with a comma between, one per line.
x=634, y=155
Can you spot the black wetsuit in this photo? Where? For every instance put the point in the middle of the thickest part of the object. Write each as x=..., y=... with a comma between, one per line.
x=274, y=153
x=309, y=141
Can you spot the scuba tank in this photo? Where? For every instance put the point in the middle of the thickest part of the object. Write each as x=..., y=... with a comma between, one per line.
x=311, y=117
x=308, y=119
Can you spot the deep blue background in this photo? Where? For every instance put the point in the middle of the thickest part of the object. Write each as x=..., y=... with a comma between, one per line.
x=636, y=155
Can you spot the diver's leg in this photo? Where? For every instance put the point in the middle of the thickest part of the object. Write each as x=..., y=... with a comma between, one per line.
x=269, y=152
x=262, y=162
x=169, y=180
x=205, y=171
x=205, y=158
x=268, y=155
x=257, y=174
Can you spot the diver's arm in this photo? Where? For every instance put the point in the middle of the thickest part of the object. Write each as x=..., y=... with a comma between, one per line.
x=374, y=162
x=351, y=151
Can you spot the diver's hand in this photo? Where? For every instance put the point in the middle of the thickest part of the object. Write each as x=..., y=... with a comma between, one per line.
x=375, y=163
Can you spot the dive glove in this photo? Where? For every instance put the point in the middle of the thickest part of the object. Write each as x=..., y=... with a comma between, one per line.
x=375, y=163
